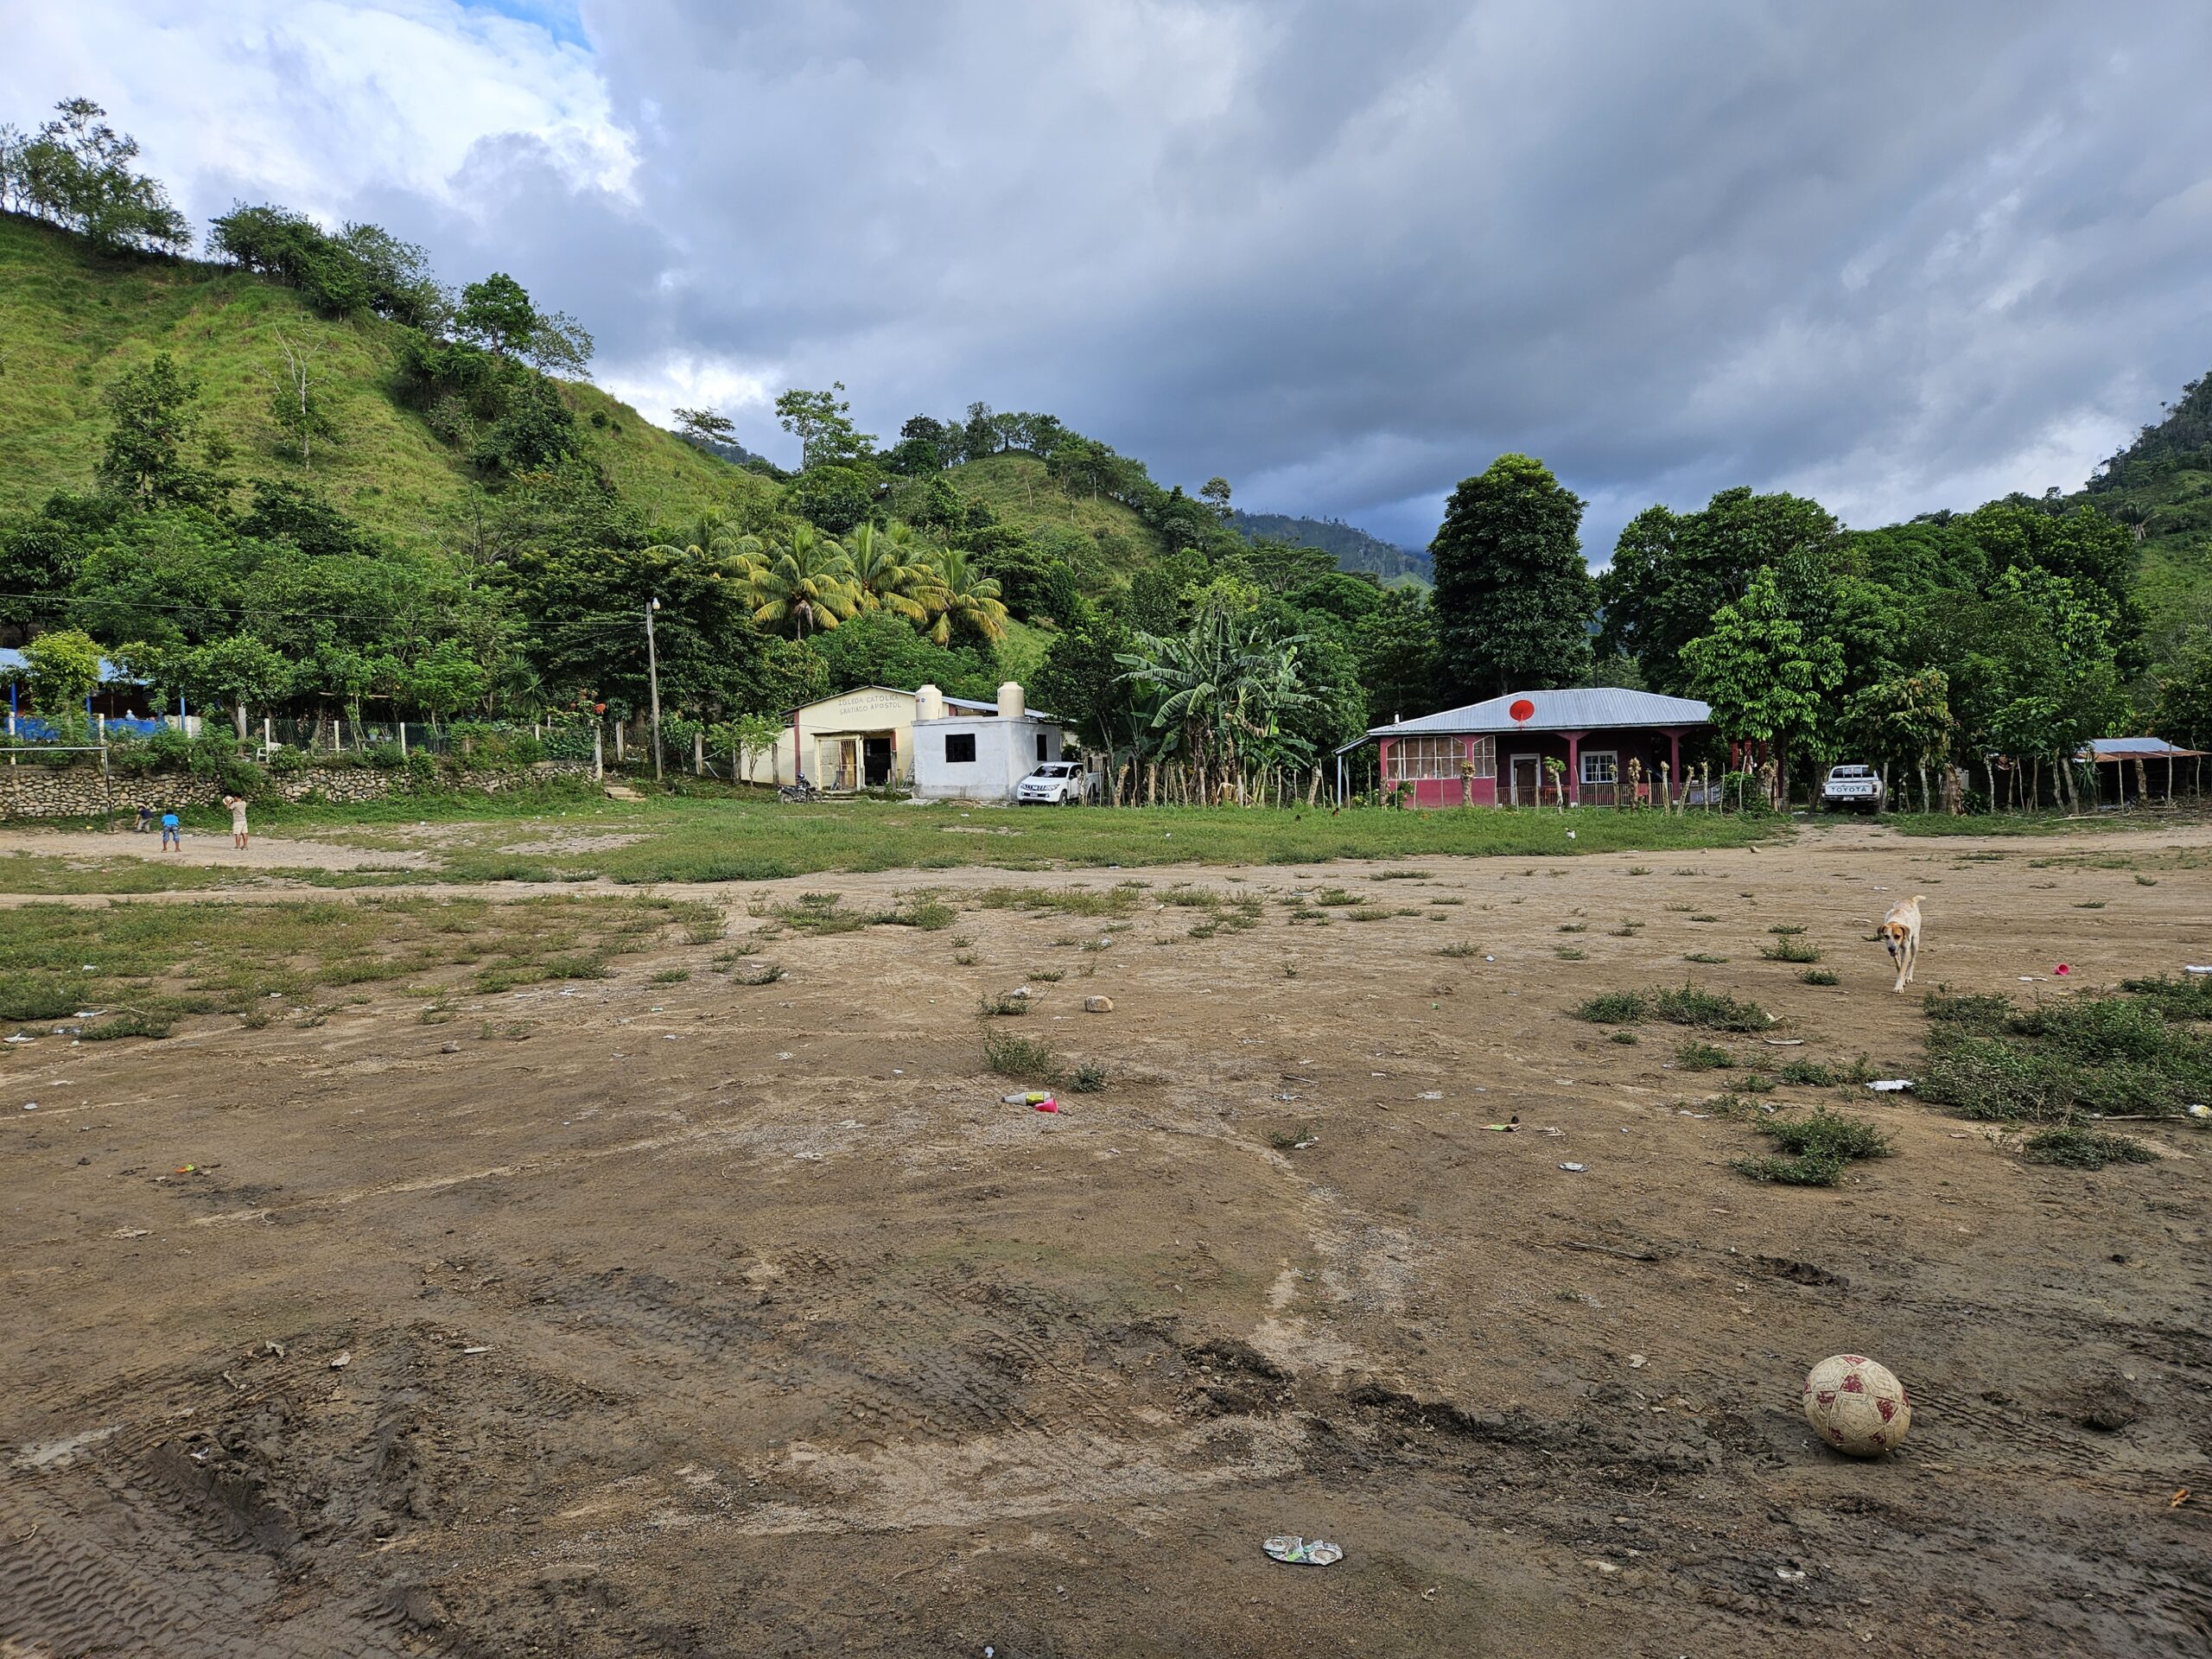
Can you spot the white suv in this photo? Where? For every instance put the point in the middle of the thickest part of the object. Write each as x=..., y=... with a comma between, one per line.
x=1055, y=783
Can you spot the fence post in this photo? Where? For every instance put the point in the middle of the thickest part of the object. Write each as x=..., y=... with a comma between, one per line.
x=598, y=752
x=268, y=738
x=402, y=740
x=699, y=753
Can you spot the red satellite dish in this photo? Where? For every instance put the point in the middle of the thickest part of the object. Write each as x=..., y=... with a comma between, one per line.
x=1521, y=710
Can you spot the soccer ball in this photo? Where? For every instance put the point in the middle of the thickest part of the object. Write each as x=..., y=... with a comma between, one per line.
x=1856, y=1406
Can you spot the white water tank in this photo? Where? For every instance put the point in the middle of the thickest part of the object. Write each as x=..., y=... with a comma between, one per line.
x=1012, y=704
x=929, y=704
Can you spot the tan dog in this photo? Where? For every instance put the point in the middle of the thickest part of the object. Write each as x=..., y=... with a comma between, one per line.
x=1900, y=937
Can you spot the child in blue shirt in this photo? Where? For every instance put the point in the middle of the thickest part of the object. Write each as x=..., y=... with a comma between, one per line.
x=172, y=833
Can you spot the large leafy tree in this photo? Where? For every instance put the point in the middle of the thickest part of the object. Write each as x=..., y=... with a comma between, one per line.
x=1396, y=647
x=75, y=171
x=143, y=461
x=823, y=424
x=1672, y=572
x=1764, y=676
x=1513, y=598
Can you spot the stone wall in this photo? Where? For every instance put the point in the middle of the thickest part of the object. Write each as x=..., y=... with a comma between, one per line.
x=35, y=791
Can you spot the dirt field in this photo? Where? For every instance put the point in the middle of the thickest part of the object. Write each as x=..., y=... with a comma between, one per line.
x=694, y=1317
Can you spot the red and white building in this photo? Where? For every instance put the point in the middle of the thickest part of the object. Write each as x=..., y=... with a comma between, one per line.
x=1492, y=754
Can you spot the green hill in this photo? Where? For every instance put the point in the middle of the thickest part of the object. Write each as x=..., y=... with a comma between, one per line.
x=1352, y=549
x=2161, y=487
x=1101, y=540
x=71, y=319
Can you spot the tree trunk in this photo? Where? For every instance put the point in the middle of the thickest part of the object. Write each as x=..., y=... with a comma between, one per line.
x=1989, y=766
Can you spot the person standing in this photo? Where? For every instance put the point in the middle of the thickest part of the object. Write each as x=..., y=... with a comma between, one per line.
x=237, y=803
x=172, y=832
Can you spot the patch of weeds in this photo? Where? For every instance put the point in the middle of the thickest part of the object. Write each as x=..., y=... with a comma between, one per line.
x=1050, y=975
x=1696, y=1056
x=1398, y=875
x=1639, y=870
x=2079, y=1148
x=1790, y=951
x=1334, y=896
x=705, y=931
x=1086, y=1080
x=1625, y=1037
x=1679, y=909
x=1820, y=977
x=1703, y=957
x=1289, y=970
x=1204, y=930
x=129, y=1022
x=1447, y=901
x=1786, y=929
x=962, y=941
x=1458, y=948
x=1818, y=1145
x=766, y=974
x=1029, y=1059
x=1756, y=1083
x=1308, y=913
x=1704, y=919
x=1627, y=929
x=930, y=915
x=2189, y=997
x=254, y=1019
x=1367, y=913
x=1404, y=910
x=1003, y=1006
x=2142, y=880
x=1690, y=1005
x=1574, y=927
x=1568, y=953
x=1290, y=1140
x=671, y=976
x=2090, y=904
x=963, y=958
x=439, y=1013
x=1615, y=1009
x=1984, y=1016
x=1808, y=1074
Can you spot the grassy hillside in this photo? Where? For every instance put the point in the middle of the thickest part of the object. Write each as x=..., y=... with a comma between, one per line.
x=70, y=321
x=1101, y=540
x=2161, y=485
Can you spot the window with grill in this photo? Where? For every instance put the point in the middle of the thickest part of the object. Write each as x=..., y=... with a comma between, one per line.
x=1600, y=767
x=959, y=747
x=1416, y=758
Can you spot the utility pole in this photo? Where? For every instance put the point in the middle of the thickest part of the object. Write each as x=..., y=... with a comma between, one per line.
x=652, y=675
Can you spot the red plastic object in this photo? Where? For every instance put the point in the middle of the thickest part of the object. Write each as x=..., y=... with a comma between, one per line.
x=1048, y=1104
x=2061, y=970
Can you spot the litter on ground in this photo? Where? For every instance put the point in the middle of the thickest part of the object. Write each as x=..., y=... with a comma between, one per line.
x=1302, y=1551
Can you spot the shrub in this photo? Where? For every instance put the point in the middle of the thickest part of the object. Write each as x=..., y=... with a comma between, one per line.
x=1807, y=1073
x=1788, y=949
x=1025, y=1058
x=1818, y=1145
x=1691, y=1005
x=1007, y=1005
x=1983, y=1015
x=1086, y=1080
x=1615, y=1009
x=2078, y=1148
x=1696, y=1056
x=2189, y=997
x=1820, y=977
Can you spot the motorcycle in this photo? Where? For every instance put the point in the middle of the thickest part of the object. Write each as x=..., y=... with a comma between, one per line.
x=800, y=791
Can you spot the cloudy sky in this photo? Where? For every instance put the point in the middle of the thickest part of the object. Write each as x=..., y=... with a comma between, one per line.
x=1899, y=256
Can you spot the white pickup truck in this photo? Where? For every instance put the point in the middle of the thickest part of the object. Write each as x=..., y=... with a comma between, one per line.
x=1858, y=788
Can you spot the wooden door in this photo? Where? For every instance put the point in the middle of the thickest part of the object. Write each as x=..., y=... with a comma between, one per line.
x=1527, y=779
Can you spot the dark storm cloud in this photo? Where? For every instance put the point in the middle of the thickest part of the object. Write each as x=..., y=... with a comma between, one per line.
x=1901, y=255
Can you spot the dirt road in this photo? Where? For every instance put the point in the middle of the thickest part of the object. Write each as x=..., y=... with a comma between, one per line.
x=693, y=1316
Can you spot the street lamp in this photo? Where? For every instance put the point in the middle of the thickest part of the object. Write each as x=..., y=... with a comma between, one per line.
x=652, y=677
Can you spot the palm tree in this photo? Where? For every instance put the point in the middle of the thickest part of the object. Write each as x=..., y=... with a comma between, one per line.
x=966, y=600
x=892, y=571
x=806, y=585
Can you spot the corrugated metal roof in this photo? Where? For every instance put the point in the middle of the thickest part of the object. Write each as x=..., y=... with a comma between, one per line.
x=2106, y=747
x=1588, y=709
